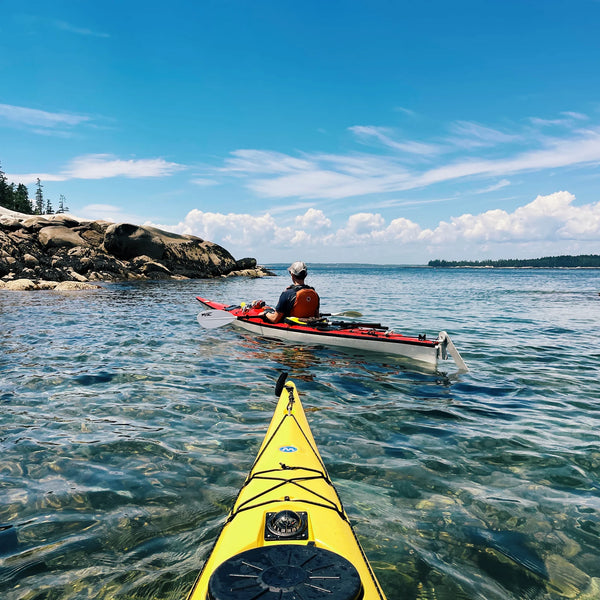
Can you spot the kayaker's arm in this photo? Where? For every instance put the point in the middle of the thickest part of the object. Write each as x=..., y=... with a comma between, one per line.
x=271, y=316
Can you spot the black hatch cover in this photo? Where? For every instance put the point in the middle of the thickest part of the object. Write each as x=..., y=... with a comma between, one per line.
x=286, y=571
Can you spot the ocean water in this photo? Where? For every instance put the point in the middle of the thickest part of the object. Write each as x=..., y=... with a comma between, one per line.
x=126, y=431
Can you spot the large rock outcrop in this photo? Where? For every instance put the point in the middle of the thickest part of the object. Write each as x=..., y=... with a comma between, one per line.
x=61, y=248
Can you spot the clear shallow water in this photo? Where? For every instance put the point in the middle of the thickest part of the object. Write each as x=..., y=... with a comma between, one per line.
x=126, y=431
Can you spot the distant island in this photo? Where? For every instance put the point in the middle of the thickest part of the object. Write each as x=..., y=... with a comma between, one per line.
x=548, y=262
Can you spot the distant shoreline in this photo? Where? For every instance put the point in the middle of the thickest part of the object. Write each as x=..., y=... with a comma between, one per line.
x=316, y=266
x=581, y=261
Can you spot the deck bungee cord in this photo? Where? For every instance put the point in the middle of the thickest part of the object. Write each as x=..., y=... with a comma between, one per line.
x=287, y=535
x=296, y=480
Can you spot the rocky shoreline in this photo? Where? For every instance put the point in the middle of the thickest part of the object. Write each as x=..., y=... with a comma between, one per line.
x=64, y=253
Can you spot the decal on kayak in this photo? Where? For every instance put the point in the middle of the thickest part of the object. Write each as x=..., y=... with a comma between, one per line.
x=288, y=449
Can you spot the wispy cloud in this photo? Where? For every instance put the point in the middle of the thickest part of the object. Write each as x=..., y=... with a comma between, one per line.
x=329, y=176
x=406, y=111
x=568, y=119
x=204, y=182
x=29, y=178
x=494, y=187
x=69, y=27
x=264, y=162
x=39, y=120
x=384, y=136
x=108, y=212
x=473, y=135
x=104, y=166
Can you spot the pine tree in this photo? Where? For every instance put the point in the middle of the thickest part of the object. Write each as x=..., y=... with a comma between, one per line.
x=22, y=203
x=6, y=192
x=39, y=198
x=62, y=205
x=49, y=210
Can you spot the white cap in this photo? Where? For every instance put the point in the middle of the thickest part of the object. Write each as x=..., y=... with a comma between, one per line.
x=298, y=268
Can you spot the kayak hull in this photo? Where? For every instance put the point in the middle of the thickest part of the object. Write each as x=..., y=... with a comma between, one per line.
x=366, y=339
x=287, y=510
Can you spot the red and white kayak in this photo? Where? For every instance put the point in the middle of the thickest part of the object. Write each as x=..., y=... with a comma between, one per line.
x=371, y=337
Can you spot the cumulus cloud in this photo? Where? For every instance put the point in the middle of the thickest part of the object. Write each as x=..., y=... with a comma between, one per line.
x=233, y=228
x=547, y=219
x=313, y=219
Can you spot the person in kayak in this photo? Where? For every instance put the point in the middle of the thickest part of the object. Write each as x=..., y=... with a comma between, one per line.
x=297, y=300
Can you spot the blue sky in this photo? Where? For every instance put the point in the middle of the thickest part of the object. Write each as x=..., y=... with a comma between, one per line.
x=334, y=131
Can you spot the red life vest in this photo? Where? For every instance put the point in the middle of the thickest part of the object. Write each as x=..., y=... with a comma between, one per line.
x=306, y=303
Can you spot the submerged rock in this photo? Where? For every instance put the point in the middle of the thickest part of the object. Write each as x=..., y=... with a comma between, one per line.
x=61, y=248
x=25, y=285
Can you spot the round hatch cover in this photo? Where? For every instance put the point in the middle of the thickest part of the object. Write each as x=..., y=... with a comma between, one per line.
x=286, y=571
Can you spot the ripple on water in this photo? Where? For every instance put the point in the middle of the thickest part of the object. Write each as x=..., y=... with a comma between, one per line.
x=126, y=431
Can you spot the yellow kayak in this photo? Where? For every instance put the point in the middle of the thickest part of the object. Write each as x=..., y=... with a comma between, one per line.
x=287, y=536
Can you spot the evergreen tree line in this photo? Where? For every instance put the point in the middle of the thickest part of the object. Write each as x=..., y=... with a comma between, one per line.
x=16, y=197
x=581, y=260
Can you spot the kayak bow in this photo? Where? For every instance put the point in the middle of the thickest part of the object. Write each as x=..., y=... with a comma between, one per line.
x=287, y=536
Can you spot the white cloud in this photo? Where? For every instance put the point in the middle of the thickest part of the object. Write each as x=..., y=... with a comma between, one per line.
x=406, y=111
x=313, y=219
x=568, y=119
x=474, y=135
x=203, y=182
x=33, y=117
x=575, y=115
x=64, y=26
x=309, y=184
x=363, y=224
x=383, y=135
x=108, y=212
x=29, y=178
x=547, y=218
x=551, y=219
x=336, y=176
x=233, y=228
x=494, y=187
x=101, y=166
x=263, y=162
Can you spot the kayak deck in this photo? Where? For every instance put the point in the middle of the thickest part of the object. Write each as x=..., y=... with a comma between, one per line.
x=287, y=535
x=345, y=335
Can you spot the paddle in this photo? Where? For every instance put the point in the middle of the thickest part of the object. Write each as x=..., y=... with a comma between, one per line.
x=352, y=314
x=211, y=319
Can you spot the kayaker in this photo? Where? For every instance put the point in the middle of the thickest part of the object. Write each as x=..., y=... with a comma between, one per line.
x=297, y=300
